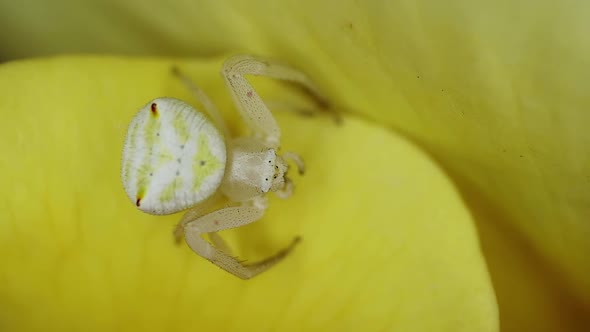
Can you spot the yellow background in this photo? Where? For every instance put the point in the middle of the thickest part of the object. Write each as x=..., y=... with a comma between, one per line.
x=495, y=94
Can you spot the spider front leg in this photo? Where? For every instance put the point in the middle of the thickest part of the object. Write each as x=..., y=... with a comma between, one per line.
x=250, y=105
x=227, y=218
x=202, y=97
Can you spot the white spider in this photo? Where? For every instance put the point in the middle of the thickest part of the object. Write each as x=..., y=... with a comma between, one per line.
x=175, y=158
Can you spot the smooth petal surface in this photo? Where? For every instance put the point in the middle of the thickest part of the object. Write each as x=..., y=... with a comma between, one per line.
x=388, y=243
x=497, y=93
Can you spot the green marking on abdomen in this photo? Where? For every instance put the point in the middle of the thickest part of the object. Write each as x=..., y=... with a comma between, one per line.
x=204, y=162
x=152, y=129
x=168, y=192
x=131, y=148
x=179, y=125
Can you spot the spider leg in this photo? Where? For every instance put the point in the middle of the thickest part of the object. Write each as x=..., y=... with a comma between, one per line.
x=202, y=97
x=254, y=111
x=219, y=243
x=194, y=213
x=227, y=218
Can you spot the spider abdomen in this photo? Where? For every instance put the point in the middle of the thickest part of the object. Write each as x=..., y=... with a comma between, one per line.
x=173, y=157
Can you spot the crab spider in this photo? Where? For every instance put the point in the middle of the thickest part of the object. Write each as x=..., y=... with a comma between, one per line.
x=175, y=158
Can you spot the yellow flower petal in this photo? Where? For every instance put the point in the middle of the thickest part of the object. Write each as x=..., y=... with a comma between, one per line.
x=387, y=242
x=496, y=93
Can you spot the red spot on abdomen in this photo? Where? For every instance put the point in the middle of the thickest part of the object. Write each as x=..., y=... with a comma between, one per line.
x=216, y=222
x=249, y=94
x=154, y=108
x=138, y=201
